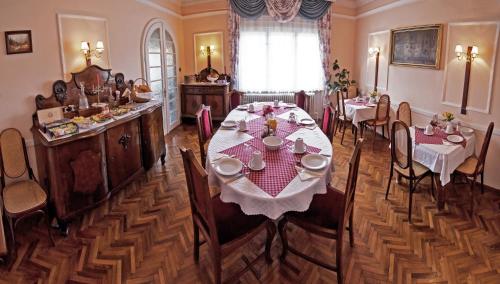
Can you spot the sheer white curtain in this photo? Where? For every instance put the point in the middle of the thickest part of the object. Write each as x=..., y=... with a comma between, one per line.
x=279, y=57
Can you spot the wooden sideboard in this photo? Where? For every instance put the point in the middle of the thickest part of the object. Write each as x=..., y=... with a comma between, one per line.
x=214, y=95
x=85, y=169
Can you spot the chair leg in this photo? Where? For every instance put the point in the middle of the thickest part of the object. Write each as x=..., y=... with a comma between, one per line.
x=217, y=262
x=351, y=229
x=388, y=131
x=411, y=200
x=338, y=244
x=473, y=183
x=355, y=133
x=432, y=186
x=343, y=132
x=482, y=182
x=374, y=134
x=271, y=231
x=383, y=131
x=196, y=242
x=47, y=220
x=389, y=182
x=12, y=233
x=284, y=240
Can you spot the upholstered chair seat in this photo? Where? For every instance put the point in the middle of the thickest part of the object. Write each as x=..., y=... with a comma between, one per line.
x=23, y=195
x=468, y=166
x=418, y=169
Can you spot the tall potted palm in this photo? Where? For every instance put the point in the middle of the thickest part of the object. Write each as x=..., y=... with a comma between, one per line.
x=341, y=79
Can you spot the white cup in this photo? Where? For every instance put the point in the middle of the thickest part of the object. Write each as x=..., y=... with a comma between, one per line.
x=449, y=128
x=300, y=146
x=256, y=160
x=242, y=125
x=251, y=107
x=428, y=129
x=276, y=103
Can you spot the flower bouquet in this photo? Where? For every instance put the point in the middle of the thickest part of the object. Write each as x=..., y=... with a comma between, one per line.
x=267, y=109
x=448, y=116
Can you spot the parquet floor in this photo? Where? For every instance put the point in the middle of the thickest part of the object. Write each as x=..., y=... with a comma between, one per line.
x=144, y=235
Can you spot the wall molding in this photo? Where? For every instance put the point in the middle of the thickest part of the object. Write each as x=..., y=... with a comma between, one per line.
x=386, y=7
x=160, y=8
x=487, y=109
x=204, y=14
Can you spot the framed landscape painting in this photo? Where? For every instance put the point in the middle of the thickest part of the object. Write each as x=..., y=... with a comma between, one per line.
x=418, y=46
x=18, y=42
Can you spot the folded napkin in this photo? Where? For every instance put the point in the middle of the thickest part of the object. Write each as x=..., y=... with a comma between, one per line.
x=305, y=174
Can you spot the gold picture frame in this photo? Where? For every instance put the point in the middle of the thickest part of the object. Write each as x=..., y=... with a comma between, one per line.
x=417, y=46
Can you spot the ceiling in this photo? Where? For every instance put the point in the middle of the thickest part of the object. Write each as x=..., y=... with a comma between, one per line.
x=346, y=3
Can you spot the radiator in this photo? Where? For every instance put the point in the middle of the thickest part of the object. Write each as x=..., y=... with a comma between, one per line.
x=267, y=97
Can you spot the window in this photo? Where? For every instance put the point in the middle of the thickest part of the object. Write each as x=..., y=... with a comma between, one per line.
x=279, y=57
x=160, y=69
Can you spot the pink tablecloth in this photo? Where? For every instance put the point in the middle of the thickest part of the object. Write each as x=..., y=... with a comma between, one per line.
x=437, y=138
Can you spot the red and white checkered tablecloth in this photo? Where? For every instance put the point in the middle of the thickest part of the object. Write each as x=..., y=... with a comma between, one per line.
x=437, y=138
x=255, y=127
x=280, y=164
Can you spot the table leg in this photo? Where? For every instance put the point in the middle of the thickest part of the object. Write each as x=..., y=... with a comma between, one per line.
x=441, y=191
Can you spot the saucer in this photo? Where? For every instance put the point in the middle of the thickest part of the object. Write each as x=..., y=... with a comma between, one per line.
x=292, y=149
x=428, y=134
x=262, y=166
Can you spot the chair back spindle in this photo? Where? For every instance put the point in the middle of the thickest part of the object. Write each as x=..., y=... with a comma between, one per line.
x=383, y=108
x=13, y=156
x=340, y=104
x=401, y=147
x=352, y=178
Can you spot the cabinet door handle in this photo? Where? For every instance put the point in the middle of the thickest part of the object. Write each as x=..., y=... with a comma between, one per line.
x=124, y=140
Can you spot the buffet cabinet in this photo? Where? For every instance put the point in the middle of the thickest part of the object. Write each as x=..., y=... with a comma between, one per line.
x=215, y=95
x=85, y=169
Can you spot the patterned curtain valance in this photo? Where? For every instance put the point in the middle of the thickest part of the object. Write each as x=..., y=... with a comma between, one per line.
x=281, y=10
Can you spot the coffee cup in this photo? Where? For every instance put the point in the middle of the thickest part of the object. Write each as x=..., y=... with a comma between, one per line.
x=242, y=125
x=251, y=108
x=449, y=128
x=276, y=103
x=428, y=129
x=299, y=146
x=256, y=160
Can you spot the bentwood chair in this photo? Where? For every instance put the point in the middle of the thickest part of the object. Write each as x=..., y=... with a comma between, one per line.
x=328, y=122
x=343, y=120
x=404, y=113
x=474, y=166
x=302, y=100
x=327, y=216
x=205, y=130
x=223, y=225
x=381, y=116
x=22, y=197
x=402, y=161
x=235, y=99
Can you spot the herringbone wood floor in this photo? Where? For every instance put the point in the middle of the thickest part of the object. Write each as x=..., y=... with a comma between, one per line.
x=144, y=235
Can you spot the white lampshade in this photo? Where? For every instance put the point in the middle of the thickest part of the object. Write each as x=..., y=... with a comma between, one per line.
x=475, y=51
x=459, y=49
x=99, y=46
x=373, y=50
x=84, y=46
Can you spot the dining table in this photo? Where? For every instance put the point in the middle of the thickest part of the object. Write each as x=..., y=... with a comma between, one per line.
x=359, y=111
x=284, y=184
x=441, y=156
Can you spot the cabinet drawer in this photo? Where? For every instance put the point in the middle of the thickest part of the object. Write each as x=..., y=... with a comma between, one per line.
x=204, y=90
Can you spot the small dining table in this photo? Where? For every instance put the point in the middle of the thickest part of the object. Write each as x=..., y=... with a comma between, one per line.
x=282, y=185
x=359, y=111
x=440, y=156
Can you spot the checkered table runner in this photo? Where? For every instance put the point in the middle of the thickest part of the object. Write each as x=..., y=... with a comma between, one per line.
x=437, y=138
x=254, y=127
x=280, y=165
x=355, y=103
x=276, y=110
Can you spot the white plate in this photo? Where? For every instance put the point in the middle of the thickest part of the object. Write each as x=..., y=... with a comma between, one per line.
x=228, y=124
x=314, y=161
x=262, y=166
x=466, y=131
x=307, y=121
x=290, y=105
x=455, y=138
x=242, y=107
x=228, y=166
x=371, y=105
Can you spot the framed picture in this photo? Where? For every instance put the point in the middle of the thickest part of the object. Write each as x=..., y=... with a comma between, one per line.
x=418, y=46
x=18, y=42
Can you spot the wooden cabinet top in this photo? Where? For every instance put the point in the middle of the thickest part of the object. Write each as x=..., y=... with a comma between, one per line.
x=206, y=84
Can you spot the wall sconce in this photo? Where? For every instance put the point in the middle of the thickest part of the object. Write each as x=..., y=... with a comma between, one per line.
x=207, y=50
x=471, y=53
x=375, y=51
x=88, y=52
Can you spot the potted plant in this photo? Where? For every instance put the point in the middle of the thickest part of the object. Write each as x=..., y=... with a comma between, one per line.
x=341, y=79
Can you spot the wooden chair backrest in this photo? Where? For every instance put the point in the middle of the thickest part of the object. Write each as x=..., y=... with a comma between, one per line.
x=352, y=179
x=204, y=124
x=14, y=161
x=235, y=99
x=327, y=121
x=340, y=103
x=300, y=99
x=484, y=148
x=401, y=146
x=404, y=113
x=383, y=108
x=199, y=194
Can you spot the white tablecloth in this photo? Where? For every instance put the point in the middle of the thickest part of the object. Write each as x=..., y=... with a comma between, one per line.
x=296, y=196
x=359, y=113
x=443, y=159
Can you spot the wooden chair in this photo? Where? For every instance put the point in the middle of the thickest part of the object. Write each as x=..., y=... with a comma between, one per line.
x=23, y=197
x=402, y=161
x=328, y=122
x=474, y=166
x=343, y=120
x=327, y=216
x=223, y=225
x=205, y=130
x=302, y=100
x=404, y=113
x=235, y=99
x=381, y=116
